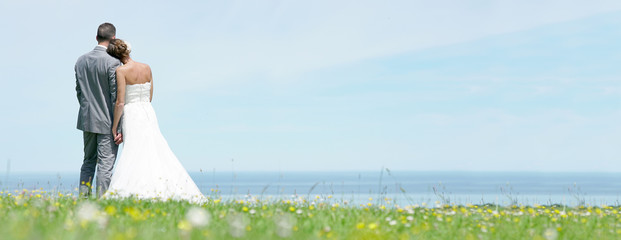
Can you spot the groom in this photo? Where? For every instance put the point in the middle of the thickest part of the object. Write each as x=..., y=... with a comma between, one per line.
x=95, y=74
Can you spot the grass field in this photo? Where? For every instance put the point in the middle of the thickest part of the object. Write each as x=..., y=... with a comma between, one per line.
x=42, y=215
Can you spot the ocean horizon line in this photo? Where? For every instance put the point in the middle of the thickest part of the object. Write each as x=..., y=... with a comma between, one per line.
x=342, y=171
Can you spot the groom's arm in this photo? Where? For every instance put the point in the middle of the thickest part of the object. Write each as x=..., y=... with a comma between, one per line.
x=77, y=85
x=112, y=79
x=112, y=83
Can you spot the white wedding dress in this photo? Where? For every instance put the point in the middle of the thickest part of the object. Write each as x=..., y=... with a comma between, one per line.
x=147, y=167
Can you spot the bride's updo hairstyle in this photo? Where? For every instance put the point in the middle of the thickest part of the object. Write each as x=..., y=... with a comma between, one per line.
x=119, y=49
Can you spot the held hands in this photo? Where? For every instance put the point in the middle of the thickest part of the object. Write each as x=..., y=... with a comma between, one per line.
x=118, y=138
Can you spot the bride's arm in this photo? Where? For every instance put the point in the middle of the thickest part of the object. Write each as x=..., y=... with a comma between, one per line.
x=120, y=100
x=151, y=79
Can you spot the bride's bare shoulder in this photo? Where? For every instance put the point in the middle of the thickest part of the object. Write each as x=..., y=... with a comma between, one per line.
x=144, y=66
x=122, y=68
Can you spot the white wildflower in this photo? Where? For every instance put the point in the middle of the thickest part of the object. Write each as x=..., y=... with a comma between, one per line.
x=198, y=217
x=88, y=211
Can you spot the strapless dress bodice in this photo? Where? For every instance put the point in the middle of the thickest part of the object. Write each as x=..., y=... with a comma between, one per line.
x=138, y=93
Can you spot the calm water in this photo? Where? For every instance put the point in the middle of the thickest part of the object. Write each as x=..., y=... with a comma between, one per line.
x=403, y=187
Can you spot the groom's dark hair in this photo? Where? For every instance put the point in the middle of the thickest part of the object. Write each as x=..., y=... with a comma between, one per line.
x=105, y=32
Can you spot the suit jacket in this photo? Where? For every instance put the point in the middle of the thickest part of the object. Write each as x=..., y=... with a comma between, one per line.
x=95, y=78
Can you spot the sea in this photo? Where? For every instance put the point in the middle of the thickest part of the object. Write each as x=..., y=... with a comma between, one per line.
x=390, y=188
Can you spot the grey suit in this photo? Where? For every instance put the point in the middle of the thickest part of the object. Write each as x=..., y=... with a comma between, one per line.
x=95, y=74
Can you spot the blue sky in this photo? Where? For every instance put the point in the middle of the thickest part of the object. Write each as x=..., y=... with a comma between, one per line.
x=332, y=86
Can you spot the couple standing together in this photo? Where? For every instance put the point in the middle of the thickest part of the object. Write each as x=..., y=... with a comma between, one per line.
x=115, y=95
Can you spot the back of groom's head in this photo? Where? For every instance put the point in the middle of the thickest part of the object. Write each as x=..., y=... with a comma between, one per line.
x=106, y=32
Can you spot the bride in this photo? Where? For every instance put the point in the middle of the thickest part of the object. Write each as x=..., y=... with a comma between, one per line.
x=147, y=168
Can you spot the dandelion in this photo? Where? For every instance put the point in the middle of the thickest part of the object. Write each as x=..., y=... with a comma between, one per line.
x=197, y=217
x=110, y=210
x=87, y=211
x=360, y=225
x=372, y=226
x=184, y=225
x=392, y=223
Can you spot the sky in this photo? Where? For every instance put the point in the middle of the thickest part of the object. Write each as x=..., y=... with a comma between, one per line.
x=331, y=85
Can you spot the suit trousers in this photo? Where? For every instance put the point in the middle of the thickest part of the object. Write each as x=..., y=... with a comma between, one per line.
x=99, y=153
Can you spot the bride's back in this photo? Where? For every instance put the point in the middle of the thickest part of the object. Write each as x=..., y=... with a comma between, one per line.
x=136, y=73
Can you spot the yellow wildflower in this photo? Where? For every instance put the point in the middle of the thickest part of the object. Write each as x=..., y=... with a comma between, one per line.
x=360, y=225
x=111, y=210
x=184, y=225
x=372, y=226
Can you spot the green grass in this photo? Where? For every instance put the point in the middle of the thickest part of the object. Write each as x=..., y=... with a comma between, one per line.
x=40, y=215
